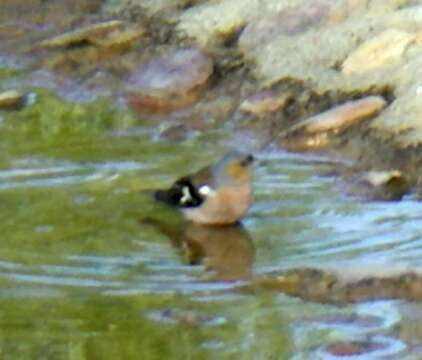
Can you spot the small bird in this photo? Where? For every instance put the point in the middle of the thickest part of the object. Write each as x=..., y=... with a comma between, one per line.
x=218, y=194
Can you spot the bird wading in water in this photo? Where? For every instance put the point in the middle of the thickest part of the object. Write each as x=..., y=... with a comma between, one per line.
x=218, y=194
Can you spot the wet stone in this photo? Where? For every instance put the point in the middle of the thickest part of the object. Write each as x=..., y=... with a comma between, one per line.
x=381, y=185
x=355, y=348
x=171, y=82
x=264, y=102
x=384, y=49
x=315, y=132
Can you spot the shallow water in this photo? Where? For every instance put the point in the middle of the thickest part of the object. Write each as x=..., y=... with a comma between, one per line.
x=92, y=268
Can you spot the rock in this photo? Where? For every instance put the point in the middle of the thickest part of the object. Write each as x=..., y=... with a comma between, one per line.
x=407, y=19
x=219, y=21
x=14, y=100
x=341, y=10
x=264, y=102
x=108, y=34
x=170, y=82
x=382, y=185
x=317, y=131
x=401, y=120
x=314, y=132
x=291, y=21
x=381, y=50
x=380, y=178
x=312, y=57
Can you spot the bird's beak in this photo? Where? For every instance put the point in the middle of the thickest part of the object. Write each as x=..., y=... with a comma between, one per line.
x=248, y=160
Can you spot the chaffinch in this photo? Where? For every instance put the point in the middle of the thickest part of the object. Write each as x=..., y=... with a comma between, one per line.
x=218, y=194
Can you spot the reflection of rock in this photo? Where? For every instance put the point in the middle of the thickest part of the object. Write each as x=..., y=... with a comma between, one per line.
x=384, y=49
x=171, y=82
x=354, y=348
x=226, y=251
x=264, y=102
x=313, y=133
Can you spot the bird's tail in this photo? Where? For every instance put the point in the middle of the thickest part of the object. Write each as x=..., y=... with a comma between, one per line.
x=167, y=196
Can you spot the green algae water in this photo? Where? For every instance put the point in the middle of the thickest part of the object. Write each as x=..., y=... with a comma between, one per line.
x=92, y=268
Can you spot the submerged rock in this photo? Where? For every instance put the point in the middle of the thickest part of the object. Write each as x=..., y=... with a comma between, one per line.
x=314, y=132
x=381, y=50
x=170, y=82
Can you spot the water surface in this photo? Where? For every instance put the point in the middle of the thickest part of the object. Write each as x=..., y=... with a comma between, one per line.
x=89, y=271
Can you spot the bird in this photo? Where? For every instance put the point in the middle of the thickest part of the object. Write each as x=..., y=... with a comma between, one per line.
x=218, y=194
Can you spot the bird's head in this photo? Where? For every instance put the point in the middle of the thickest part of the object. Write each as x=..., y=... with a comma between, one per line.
x=234, y=169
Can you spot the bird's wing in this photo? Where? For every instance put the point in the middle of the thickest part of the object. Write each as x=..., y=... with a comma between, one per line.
x=202, y=177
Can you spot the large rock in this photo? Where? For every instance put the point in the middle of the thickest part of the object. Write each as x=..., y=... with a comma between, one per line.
x=170, y=82
x=316, y=131
x=291, y=21
x=217, y=22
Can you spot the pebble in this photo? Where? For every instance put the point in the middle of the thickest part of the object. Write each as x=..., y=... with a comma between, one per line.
x=264, y=102
x=173, y=81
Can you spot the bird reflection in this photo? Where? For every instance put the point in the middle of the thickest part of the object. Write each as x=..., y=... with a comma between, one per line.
x=226, y=252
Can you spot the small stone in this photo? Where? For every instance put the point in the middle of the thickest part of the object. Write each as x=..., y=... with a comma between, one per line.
x=106, y=34
x=173, y=81
x=264, y=102
x=12, y=100
x=384, y=49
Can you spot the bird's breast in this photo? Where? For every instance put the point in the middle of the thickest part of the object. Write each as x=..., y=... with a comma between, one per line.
x=227, y=205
